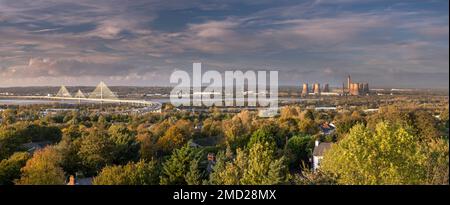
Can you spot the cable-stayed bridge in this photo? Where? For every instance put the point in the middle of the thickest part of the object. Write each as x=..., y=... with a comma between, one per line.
x=101, y=94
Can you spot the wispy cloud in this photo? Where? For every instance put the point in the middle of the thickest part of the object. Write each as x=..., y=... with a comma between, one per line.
x=313, y=39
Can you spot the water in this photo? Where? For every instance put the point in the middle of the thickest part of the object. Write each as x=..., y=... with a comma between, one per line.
x=23, y=102
x=47, y=102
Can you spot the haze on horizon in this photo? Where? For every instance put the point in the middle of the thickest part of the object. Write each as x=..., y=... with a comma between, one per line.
x=387, y=43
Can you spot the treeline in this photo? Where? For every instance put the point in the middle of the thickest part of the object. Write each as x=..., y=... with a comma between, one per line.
x=392, y=146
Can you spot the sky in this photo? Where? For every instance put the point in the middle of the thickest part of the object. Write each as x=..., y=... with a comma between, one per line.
x=386, y=43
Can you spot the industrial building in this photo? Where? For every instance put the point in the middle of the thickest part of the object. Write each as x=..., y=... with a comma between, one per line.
x=355, y=88
x=352, y=88
x=316, y=89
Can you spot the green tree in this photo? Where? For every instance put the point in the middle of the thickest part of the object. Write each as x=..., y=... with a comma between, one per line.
x=96, y=151
x=215, y=177
x=42, y=133
x=11, y=141
x=258, y=166
x=263, y=168
x=126, y=147
x=10, y=168
x=139, y=173
x=68, y=149
x=299, y=149
x=266, y=134
x=43, y=168
x=176, y=168
x=388, y=155
x=194, y=175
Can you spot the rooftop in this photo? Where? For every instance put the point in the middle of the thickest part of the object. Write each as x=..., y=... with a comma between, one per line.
x=321, y=148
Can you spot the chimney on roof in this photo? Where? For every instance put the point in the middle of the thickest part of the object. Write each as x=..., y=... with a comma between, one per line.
x=316, y=143
x=71, y=180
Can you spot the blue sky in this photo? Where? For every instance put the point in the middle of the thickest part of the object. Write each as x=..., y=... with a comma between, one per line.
x=141, y=42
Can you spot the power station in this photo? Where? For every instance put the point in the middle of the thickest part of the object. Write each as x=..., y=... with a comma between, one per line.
x=352, y=88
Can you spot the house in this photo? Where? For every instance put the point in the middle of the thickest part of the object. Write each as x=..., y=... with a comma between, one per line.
x=319, y=149
x=327, y=128
x=79, y=181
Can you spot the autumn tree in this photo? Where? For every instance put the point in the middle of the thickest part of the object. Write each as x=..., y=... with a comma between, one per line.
x=237, y=129
x=176, y=136
x=43, y=168
x=139, y=173
x=308, y=126
x=8, y=116
x=147, y=144
x=211, y=128
x=437, y=164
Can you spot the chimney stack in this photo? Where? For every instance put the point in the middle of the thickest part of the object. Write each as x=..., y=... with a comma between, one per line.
x=71, y=180
x=305, y=89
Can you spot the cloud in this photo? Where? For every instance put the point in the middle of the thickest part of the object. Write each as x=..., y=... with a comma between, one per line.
x=116, y=39
x=44, y=67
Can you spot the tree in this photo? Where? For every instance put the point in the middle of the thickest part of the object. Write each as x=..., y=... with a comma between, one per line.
x=426, y=125
x=211, y=128
x=289, y=112
x=266, y=134
x=258, y=166
x=308, y=126
x=388, y=155
x=437, y=164
x=43, y=168
x=176, y=136
x=68, y=149
x=10, y=168
x=263, y=168
x=172, y=139
x=176, y=168
x=309, y=177
x=72, y=132
x=215, y=177
x=299, y=149
x=11, y=141
x=147, y=143
x=345, y=122
x=232, y=171
x=194, y=175
x=235, y=132
x=8, y=116
x=96, y=151
x=139, y=173
x=126, y=147
x=42, y=133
